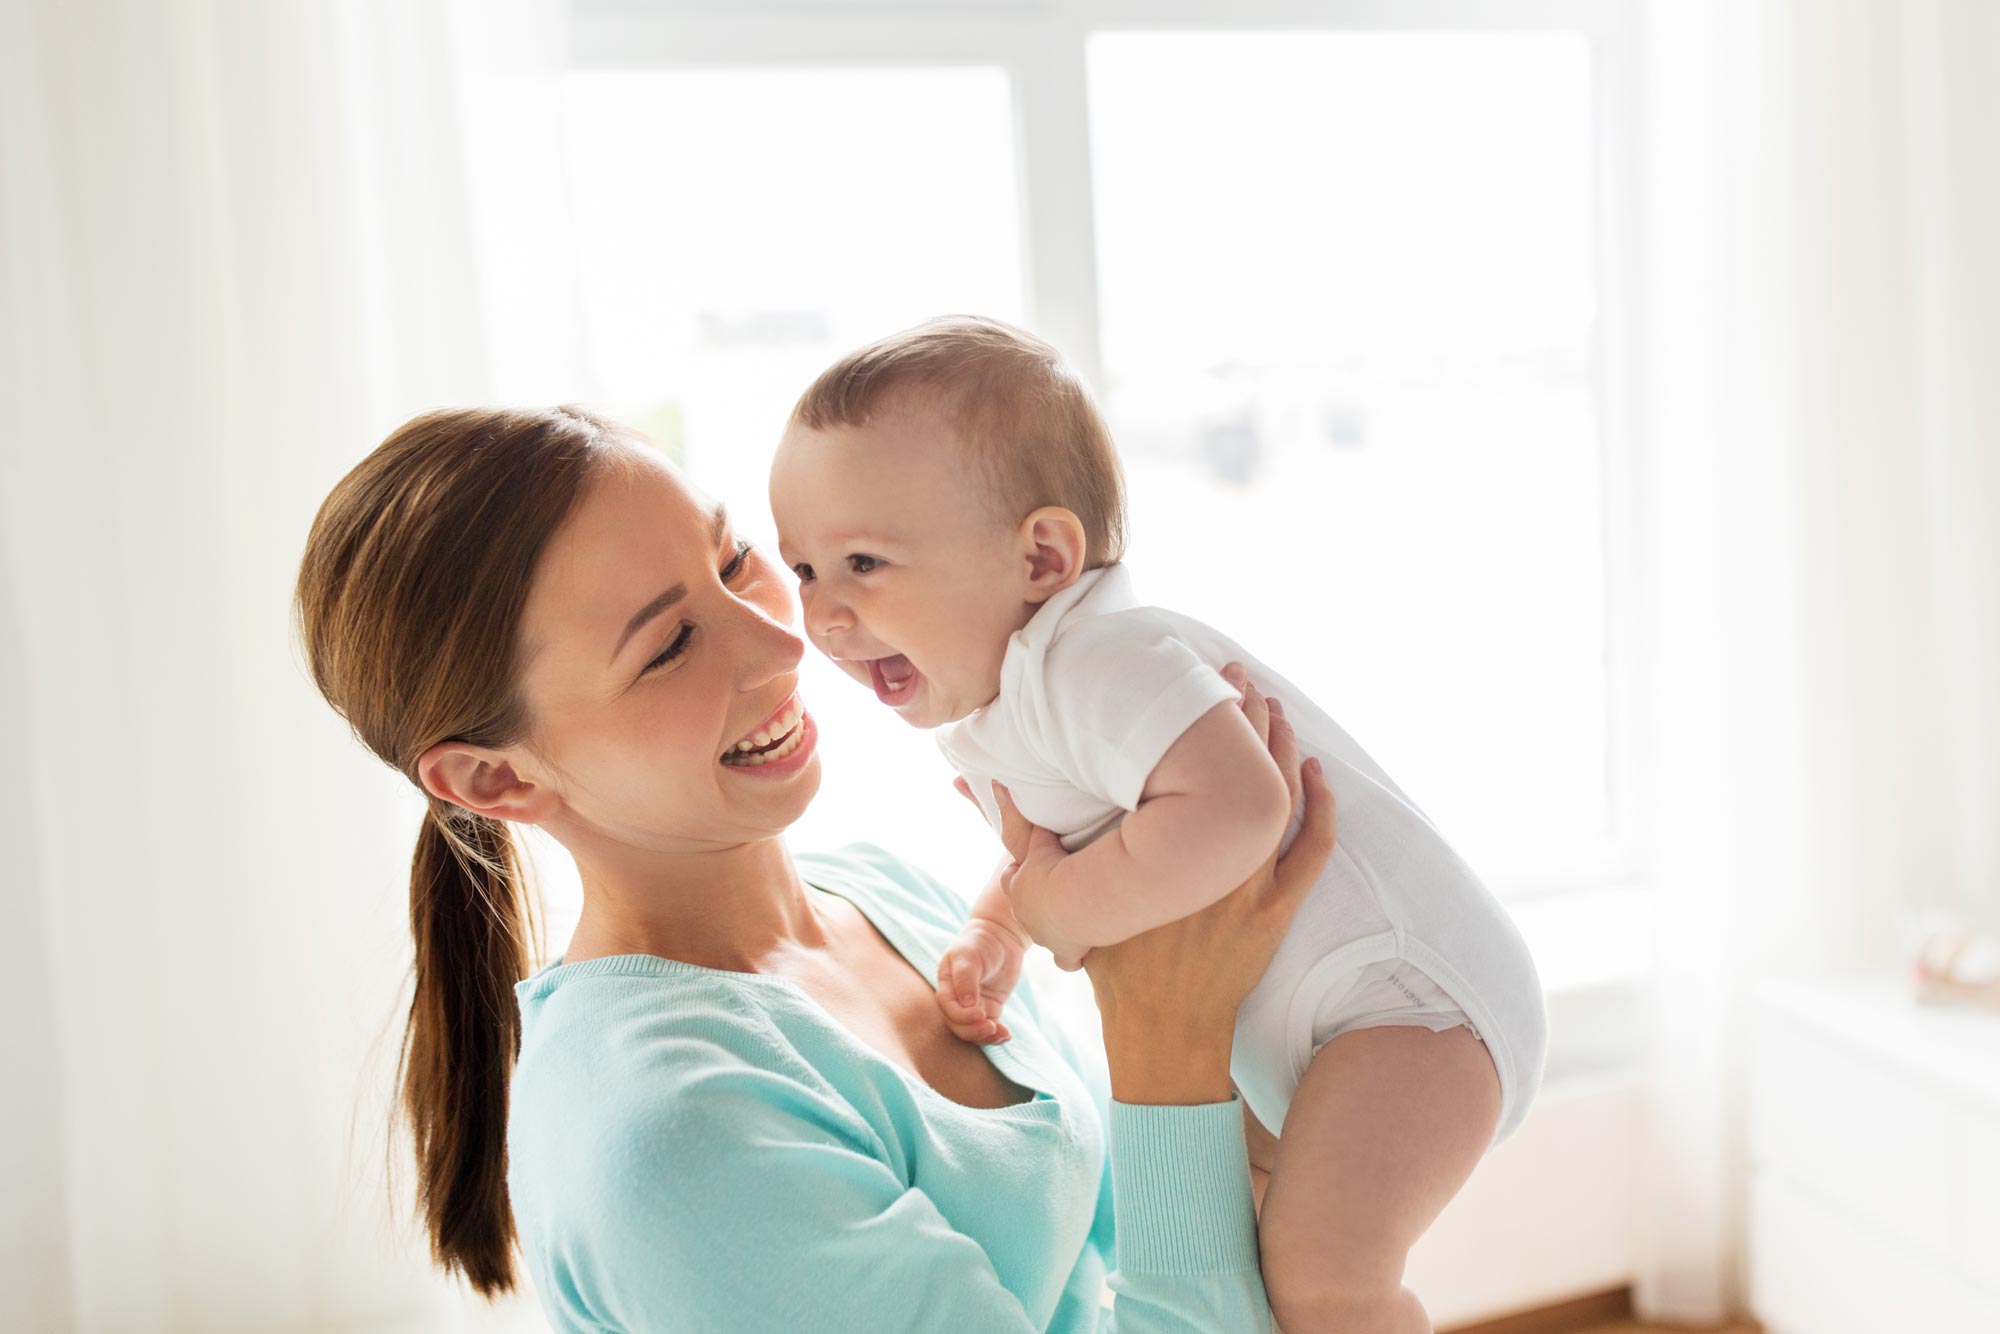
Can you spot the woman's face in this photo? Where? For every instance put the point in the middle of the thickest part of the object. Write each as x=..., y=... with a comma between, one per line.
x=656, y=642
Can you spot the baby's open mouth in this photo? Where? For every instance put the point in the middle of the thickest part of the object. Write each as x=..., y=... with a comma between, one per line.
x=895, y=679
x=773, y=740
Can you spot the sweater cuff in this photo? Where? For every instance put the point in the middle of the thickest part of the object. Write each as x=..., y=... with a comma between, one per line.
x=1180, y=1189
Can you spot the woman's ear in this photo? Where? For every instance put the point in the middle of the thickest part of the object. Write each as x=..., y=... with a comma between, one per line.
x=484, y=782
x=1054, y=544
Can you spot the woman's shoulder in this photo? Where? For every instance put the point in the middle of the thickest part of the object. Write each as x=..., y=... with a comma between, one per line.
x=648, y=1124
x=650, y=1024
x=627, y=1070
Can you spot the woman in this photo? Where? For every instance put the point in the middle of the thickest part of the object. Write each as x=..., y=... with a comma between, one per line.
x=736, y=1105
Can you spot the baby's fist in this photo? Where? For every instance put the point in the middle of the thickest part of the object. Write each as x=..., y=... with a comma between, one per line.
x=975, y=977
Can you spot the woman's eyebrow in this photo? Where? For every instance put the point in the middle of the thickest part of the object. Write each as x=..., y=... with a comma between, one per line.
x=718, y=524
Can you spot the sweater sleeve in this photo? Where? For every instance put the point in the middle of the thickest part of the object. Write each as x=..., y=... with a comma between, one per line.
x=1186, y=1222
x=747, y=1205
x=1176, y=1208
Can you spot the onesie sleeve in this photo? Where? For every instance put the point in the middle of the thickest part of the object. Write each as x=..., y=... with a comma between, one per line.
x=743, y=1206
x=1120, y=690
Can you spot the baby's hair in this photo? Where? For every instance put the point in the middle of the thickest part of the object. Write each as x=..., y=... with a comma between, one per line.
x=1019, y=409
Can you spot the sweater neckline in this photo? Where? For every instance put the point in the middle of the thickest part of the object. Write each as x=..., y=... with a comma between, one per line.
x=1004, y=1057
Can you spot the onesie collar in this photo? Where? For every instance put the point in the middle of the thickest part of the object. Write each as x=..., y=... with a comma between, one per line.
x=1105, y=589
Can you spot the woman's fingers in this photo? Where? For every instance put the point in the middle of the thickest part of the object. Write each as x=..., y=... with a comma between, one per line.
x=1284, y=744
x=1306, y=858
x=1255, y=704
x=965, y=790
x=1042, y=840
x=1023, y=837
x=1015, y=830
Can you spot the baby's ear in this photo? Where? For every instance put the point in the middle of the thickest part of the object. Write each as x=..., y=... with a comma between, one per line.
x=1054, y=544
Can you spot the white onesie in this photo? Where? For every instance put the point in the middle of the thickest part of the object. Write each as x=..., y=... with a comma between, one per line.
x=1096, y=688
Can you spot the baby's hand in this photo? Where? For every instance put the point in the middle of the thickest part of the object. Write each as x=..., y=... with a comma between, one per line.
x=975, y=977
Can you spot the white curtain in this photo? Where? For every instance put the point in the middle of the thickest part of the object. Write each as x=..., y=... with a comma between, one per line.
x=237, y=250
x=1821, y=305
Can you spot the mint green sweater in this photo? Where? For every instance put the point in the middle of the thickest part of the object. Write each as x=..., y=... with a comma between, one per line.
x=693, y=1149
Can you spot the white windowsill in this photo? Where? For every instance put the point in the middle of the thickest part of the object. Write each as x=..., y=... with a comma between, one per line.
x=1589, y=938
x=1594, y=949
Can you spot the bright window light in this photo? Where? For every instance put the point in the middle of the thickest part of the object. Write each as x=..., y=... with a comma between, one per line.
x=1348, y=302
x=738, y=230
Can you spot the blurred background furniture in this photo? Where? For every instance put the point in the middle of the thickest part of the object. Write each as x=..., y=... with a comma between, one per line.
x=1875, y=1140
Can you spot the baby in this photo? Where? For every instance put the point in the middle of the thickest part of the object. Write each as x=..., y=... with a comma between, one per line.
x=951, y=502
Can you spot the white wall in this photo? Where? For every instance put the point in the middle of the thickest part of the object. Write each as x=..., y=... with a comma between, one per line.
x=1550, y=1215
x=34, y=1239
x=230, y=264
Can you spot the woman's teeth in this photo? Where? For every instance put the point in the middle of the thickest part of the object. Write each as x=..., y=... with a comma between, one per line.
x=772, y=756
x=785, y=725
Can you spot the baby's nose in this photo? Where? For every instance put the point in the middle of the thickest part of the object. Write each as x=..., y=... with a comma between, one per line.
x=827, y=616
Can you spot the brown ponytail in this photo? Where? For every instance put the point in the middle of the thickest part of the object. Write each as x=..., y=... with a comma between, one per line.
x=408, y=606
x=472, y=923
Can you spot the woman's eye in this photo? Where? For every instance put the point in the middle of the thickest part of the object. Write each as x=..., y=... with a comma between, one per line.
x=735, y=566
x=862, y=564
x=673, y=650
x=804, y=572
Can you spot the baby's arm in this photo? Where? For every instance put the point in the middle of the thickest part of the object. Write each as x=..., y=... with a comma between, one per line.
x=1211, y=811
x=982, y=966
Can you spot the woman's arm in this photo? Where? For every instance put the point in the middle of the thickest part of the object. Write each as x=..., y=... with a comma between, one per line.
x=747, y=1210
x=1167, y=999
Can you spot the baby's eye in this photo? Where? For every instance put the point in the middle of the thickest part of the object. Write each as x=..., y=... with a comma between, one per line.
x=862, y=564
x=804, y=572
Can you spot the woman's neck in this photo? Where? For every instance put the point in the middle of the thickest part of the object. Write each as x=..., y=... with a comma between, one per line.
x=742, y=909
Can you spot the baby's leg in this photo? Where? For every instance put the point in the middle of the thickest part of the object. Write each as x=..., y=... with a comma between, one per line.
x=1386, y=1126
x=1263, y=1150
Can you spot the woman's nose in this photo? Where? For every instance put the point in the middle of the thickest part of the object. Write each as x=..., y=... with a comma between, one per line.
x=769, y=647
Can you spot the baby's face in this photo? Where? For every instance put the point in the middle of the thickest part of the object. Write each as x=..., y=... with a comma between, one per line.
x=909, y=578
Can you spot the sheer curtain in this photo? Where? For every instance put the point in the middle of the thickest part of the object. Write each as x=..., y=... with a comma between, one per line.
x=1822, y=310
x=237, y=250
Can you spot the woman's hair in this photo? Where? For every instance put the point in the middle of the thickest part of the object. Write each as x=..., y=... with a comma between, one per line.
x=409, y=605
x=1021, y=411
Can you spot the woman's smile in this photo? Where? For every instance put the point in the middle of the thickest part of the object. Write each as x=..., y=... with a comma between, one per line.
x=779, y=748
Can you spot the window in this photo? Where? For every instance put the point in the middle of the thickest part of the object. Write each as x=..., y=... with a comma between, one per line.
x=738, y=229
x=1348, y=305
x=1341, y=288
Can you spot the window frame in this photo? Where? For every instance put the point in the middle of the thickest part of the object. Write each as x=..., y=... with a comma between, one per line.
x=1042, y=47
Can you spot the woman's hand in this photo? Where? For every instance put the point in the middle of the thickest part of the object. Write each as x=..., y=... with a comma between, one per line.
x=1034, y=853
x=1168, y=996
